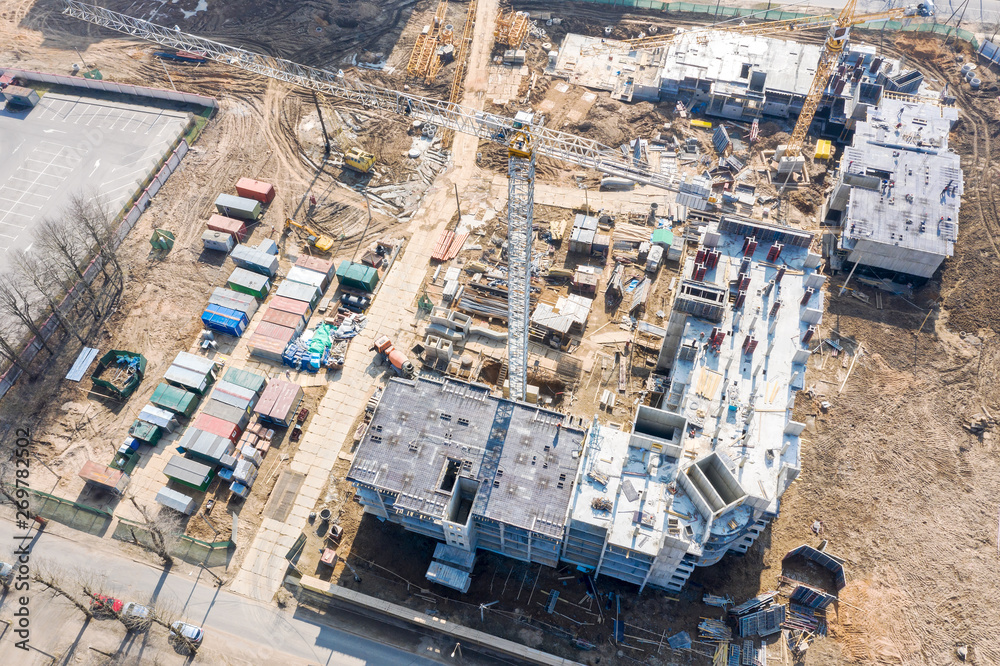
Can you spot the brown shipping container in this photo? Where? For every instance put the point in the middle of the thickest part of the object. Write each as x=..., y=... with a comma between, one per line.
x=228, y=225
x=281, y=318
x=275, y=332
x=286, y=304
x=323, y=266
x=267, y=348
x=255, y=189
x=217, y=426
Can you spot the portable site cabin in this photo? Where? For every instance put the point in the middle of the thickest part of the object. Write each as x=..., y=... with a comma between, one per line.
x=206, y=446
x=248, y=282
x=357, y=276
x=285, y=304
x=163, y=418
x=228, y=225
x=286, y=319
x=225, y=320
x=191, y=372
x=234, y=300
x=20, y=96
x=145, y=431
x=104, y=477
x=238, y=207
x=217, y=426
x=255, y=189
x=246, y=379
x=323, y=266
x=175, y=399
x=269, y=246
x=221, y=410
x=306, y=276
x=177, y=501
x=188, y=472
x=279, y=402
x=235, y=395
x=269, y=341
x=306, y=293
x=255, y=259
x=218, y=241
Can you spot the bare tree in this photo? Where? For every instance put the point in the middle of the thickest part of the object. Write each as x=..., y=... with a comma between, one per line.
x=54, y=580
x=57, y=241
x=31, y=268
x=95, y=222
x=11, y=339
x=16, y=301
x=162, y=529
x=17, y=493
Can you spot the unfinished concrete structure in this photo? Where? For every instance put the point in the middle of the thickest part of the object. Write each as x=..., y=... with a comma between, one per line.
x=702, y=474
x=898, y=190
x=736, y=76
x=448, y=460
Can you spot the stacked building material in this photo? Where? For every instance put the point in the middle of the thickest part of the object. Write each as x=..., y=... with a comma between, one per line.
x=714, y=630
x=257, y=436
x=763, y=622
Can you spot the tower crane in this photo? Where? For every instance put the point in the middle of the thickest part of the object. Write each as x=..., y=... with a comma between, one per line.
x=521, y=136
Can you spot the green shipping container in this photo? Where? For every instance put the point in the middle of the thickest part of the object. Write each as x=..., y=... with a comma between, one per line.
x=175, y=399
x=357, y=276
x=147, y=432
x=248, y=282
x=246, y=379
x=238, y=207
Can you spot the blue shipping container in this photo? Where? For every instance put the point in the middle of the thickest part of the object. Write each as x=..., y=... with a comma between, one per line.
x=225, y=320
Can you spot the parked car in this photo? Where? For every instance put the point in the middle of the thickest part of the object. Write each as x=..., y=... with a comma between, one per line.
x=104, y=603
x=188, y=631
x=136, y=616
x=355, y=303
x=6, y=574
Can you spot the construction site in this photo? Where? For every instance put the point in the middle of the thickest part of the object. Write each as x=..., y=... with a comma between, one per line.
x=618, y=335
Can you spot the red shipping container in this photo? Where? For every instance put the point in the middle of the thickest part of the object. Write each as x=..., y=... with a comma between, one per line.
x=275, y=332
x=217, y=426
x=288, y=319
x=228, y=225
x=255, y=189
x=286, y=304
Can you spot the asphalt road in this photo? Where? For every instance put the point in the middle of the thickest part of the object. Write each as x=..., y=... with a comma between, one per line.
x=275, y=632
x=982, y=12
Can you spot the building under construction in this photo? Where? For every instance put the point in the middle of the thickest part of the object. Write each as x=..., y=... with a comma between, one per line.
x=697, y=476
x=898, y=191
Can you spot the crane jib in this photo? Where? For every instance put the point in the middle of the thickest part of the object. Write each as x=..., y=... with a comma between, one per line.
x=490, y=127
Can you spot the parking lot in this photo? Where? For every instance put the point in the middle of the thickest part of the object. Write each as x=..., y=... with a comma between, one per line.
x=69, y=144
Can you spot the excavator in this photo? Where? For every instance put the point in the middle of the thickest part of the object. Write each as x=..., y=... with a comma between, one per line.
x=321, y=242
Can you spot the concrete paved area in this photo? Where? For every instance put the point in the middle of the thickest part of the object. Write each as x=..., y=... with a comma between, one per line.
x=272, y=635
x=69, y=144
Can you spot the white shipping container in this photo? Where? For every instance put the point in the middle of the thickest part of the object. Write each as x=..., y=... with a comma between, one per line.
x=218, y=241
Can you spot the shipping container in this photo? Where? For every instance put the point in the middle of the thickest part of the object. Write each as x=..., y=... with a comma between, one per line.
x=286, y=319
x=220, y=241
x=217, y=426
x=323, y=266
x=205, y=445
x=306, y=293
x=235, y=300
x=306, y=276
x=238, y=207
x=228, y=225
x=235, y=395
x=266, y=348
x=20, y=96
x=269, y=246
x=254, y=259
x=176, y=500
x=145, y=432
x=246, y=379
x=284, y=304
x=248, y=282
x=255, y=189
x=225, y=320
x=114, y=480
x=163, y=418
x=234, y=415
x=357, y=276
x=191, y=372
x=279, y=402
x=175, y=399
x=188, y=472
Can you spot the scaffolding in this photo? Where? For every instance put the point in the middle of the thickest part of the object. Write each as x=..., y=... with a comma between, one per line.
x=512, y=28
x=424, y=60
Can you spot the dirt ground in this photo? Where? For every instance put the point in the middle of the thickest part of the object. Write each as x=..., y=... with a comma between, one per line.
x=906, y=495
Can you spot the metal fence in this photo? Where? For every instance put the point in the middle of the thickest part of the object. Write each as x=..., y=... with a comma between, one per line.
x=112, y=87
x=73, y=514
x=185, y=548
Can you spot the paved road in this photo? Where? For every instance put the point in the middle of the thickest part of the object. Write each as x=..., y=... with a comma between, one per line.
x=979, y=15
x=277, y=633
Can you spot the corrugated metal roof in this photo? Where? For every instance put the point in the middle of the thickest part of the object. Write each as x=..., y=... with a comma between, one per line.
x=175, y=500
x=83, y=361
x=196, y=363
x=298, y=291
x=306, y=276
x=186, y=470
x=279, y=400
x=249, y=279
x=246, y=379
